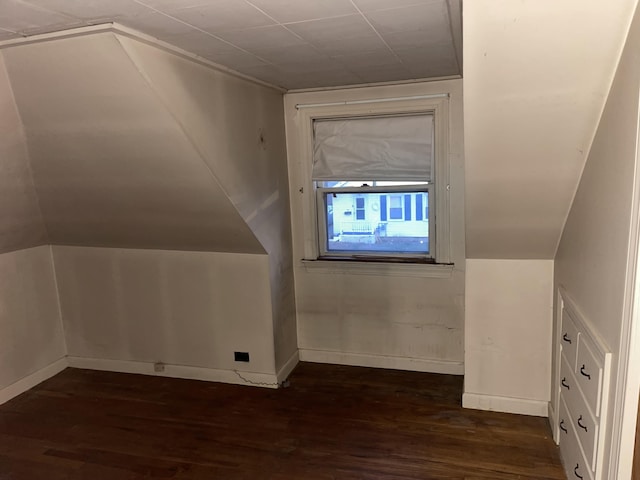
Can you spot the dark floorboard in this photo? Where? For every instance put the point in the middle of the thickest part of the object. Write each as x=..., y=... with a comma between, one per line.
x=333, y=422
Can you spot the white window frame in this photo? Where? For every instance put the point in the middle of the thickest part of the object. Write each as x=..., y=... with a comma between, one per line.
x=438, y=106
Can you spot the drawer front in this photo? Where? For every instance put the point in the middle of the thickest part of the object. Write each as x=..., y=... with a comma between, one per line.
x=569, y=338
x=568, y=383
x=575, y=466
x=589, y=374
x=579, y=415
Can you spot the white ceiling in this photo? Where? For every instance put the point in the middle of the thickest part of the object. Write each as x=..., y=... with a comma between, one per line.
x=289, y=43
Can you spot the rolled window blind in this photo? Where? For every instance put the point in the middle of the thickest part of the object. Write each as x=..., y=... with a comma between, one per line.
x=396, y=148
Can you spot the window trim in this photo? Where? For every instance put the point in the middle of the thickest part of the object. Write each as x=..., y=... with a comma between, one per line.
x=439, y=107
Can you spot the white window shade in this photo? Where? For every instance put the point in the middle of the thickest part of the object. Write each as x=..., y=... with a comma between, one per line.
x=374, y=148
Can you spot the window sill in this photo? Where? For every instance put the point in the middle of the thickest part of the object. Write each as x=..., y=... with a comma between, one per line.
x=354, y=267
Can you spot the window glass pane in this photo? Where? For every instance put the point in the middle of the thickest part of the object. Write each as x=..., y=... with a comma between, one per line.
x=346, y=183
x=395, y=207
x=360, y=209
x=357, y=222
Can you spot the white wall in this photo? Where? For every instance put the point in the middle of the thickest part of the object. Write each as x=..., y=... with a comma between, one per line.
x=111, y=165
x=31, y=335
x=536, y=76
x=21, y=223
x=593, y=255
x=191, y=309
x=372, y=317
x=238, y=128
x=508, y=335
x=135, y=147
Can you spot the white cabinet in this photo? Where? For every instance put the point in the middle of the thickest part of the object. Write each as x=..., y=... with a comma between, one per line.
x=583, y=385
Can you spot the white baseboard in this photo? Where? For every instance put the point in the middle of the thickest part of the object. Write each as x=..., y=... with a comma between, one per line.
x=382, y=361
x=177, y=371
x=32, y=380
x=288, y=367
x=494, y=403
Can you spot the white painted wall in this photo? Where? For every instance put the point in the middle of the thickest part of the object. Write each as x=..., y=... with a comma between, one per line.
x=136, y=147
x=373, y=317
x=238, y=128
x=31, y=335
x=111, y=165
x=594, y=252
x=21, y=223
x=189, y=309
x=508, y=335
x=536, y=76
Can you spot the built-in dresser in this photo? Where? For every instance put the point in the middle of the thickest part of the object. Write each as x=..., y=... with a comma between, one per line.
x=583, y=383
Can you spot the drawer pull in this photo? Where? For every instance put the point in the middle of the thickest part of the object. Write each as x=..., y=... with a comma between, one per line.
x=575, y=471
x=581, y=425
x=562, y=427
x=565, y=384
x=583, y=372
x=566, y=338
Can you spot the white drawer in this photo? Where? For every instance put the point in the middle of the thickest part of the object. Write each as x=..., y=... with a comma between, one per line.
x=575, y=465
x=569, y=338
x=589, y=374
x=568, y=383
x=579, y=415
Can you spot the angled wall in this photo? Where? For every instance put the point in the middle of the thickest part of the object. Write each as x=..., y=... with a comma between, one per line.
x=163, y=190
x=537, y=73
x=31, y=338
x=111, y=166
x=21, y=224
x=536, y=77
x=238, y=128
x=594, y=254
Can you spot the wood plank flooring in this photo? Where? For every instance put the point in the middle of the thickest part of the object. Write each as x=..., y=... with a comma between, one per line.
x=333, y=422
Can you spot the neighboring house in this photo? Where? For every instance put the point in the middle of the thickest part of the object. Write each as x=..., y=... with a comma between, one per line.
x=380, y=215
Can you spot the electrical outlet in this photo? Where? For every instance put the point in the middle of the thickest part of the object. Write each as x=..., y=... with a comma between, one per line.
x=241, y=356
x=158, y=367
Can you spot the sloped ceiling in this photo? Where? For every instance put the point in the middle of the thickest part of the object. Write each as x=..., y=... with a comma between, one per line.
x=110, y=164
x=21, y=224
x=537, y=74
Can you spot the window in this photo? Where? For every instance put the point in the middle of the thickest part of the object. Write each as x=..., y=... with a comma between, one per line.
x=374, y=182
x=373, y=177
x=360, y=208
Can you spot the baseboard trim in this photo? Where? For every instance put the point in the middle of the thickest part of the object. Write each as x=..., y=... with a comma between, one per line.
x=494, y=403
x=32, y=380
x=177, y=371
x=382, y=361
x=288, y=367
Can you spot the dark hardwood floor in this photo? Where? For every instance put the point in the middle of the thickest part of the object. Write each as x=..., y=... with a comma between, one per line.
x=333, y=422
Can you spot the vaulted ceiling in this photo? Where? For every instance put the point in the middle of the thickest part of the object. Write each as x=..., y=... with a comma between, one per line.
x=288, y=43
